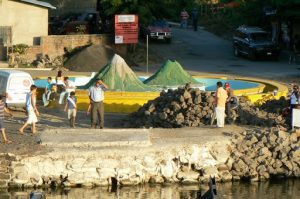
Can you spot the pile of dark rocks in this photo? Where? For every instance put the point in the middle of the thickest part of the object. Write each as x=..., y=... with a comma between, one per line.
x=260, y=154
x=191, y=107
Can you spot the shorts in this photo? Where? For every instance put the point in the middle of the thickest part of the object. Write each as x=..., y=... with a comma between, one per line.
x=31, y=116
x=71, y=113
x=2, y=124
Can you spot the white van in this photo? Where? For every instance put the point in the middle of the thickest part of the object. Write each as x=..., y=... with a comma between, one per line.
x=14, y=85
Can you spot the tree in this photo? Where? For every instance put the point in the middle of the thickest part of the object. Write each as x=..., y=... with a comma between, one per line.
x=147, y=10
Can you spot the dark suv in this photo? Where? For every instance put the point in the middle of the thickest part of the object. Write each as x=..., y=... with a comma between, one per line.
x=254, y=42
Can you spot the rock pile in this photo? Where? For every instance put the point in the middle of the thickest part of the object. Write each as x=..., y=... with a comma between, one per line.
x=175, y=108
x=48, y=61
x=275, y=106
x=190, y=107
x=259, y=154
x=252, y=115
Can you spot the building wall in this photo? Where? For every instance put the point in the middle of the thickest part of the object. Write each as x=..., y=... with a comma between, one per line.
x=27, y=21
x=71, y=6
x=54, y=45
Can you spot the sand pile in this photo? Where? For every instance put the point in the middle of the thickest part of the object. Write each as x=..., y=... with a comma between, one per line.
x=119, y=77
x=170, y=73
x=90, y=59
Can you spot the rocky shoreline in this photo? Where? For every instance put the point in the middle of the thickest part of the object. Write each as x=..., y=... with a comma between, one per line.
x=255, y=155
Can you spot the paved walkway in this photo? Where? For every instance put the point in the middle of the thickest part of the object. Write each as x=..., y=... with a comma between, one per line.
x=95, y=137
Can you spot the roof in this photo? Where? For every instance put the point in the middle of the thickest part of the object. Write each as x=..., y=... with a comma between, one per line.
x=39, y=3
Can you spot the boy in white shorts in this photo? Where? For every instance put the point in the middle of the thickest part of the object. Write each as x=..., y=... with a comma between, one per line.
x=71, y=107
x=32, y=110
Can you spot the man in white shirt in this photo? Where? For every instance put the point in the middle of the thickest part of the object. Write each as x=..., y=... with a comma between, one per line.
x=96, y=94
x=69, y=87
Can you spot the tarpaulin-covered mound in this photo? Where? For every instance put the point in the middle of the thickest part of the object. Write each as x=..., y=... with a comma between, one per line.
x=170, y=73
x=90, y=59
x=119, y=77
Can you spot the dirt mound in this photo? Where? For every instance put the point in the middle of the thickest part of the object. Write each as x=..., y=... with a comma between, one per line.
x=90, y=59
x=119, y=77
x=170, y=73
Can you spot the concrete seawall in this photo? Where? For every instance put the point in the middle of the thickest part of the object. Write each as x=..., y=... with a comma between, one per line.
x=153, y=156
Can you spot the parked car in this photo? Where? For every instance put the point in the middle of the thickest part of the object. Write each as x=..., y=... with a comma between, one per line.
x=158, y=30
x=78, y=23
x=254, y=42
x=14, y=85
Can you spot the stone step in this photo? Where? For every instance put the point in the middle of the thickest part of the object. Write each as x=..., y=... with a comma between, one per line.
x=5, y=196
x=3, y=169
x=95, y=137
x=5, y=163
x=5, y=176
x=3, y=183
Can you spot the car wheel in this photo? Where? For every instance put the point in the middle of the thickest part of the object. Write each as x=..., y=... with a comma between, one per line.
x=236, y=52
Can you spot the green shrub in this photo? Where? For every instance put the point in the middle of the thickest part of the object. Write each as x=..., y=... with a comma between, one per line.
x=19, y=48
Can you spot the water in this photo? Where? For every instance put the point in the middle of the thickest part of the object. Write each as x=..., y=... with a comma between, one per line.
x=279, y=189
x=210, y=83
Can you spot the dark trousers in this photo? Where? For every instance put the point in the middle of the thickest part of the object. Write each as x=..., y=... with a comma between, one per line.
x=98, y=111
x=228, y=110
x=195, y=24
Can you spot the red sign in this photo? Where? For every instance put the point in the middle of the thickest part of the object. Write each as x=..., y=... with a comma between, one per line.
x=126, y=29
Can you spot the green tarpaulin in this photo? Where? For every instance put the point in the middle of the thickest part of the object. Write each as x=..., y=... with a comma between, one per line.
x=170, y=73
x=119, y=77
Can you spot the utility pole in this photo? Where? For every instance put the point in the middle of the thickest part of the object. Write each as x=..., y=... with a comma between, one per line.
x=147, y=57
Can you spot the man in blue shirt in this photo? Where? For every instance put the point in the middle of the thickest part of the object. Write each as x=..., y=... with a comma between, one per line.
x=96, y=94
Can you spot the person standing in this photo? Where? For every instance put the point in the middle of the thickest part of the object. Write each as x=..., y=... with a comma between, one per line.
x=231, y=102
x=195, y=18
x=60, y=81
x=295, y=100
x=32, y=110
x=2, y=110
x=48, y=88
x=69, y=87
x=71, y=108
x=184, y=19
x=295, y=49
x=96, y=94
x=295, y=97
x=220, y=101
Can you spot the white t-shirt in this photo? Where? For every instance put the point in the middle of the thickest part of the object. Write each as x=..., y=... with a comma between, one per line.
x=70, y=86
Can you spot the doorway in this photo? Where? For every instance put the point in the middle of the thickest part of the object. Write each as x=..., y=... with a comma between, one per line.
x=5, y=40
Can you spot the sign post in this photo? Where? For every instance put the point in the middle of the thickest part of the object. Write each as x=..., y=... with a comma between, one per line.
x=147, y=54
x=126, y=29
x=295, y=118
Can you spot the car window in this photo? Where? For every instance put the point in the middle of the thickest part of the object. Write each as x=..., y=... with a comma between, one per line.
x=259, y=37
